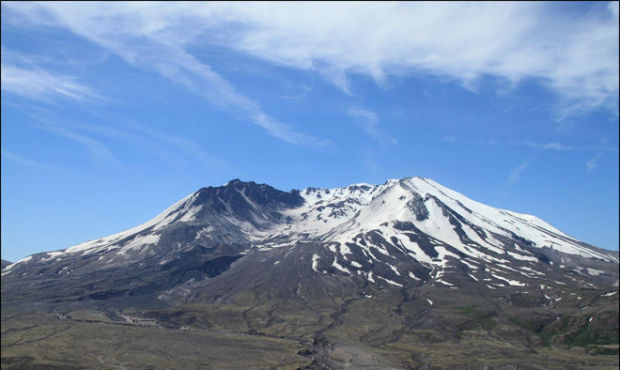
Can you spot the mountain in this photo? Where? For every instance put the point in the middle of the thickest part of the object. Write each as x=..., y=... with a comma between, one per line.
x=407, y=232
x=5, y=263
x=304, y=264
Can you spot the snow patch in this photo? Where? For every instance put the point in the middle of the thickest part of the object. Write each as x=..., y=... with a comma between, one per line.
x=510, y=282
x=390, y=281
x=315, y=262
x=594, y=272
x=522, y=257
x=370, y=278
x=340, y=267
x=412, y=275
x=140, y=242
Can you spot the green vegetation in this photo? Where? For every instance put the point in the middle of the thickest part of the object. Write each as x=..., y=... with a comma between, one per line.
x=380, y=329
x=478, y=318
x=47, y=342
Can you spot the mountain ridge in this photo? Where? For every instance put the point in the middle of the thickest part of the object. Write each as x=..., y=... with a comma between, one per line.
x=376, y=276
x=402, y=232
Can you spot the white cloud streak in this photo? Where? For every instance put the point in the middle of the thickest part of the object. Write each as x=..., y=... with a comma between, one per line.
x=551, y=145
x=26, y=162
x=169, y=147
x=42, y=85
x=100, y=154
x=182, y=145
x=572, y=53
x=154, y=36
x=592, y=163
x=515, y=174
x=369, y=122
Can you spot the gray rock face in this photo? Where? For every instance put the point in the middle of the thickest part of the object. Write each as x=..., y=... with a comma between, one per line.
x=249, y=202
x=416, y=205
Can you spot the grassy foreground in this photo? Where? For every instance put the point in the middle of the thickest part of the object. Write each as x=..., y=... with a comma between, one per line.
x=381, y=330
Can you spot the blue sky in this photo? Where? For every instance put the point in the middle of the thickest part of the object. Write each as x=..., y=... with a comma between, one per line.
x=112, y=112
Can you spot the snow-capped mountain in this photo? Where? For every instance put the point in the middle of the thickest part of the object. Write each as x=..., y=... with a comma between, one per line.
x=219, y=241
x=381, y=270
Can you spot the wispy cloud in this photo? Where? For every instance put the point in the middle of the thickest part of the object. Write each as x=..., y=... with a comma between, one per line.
x=592, y=163
x=42, y=85
x=187, y=147
x=100, y=154
x=181, y=67
x=574, y=54
x=167, y=146
x=155, y=37
x=369, y=122
x=515, y=174
x=550, y=145
x=23, y=161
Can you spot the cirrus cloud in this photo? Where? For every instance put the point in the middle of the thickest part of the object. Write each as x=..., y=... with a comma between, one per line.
x=571, y=52
x=41, y=85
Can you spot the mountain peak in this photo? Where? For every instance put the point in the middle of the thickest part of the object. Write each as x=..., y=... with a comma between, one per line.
x=241, y=183
x=233, y=182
